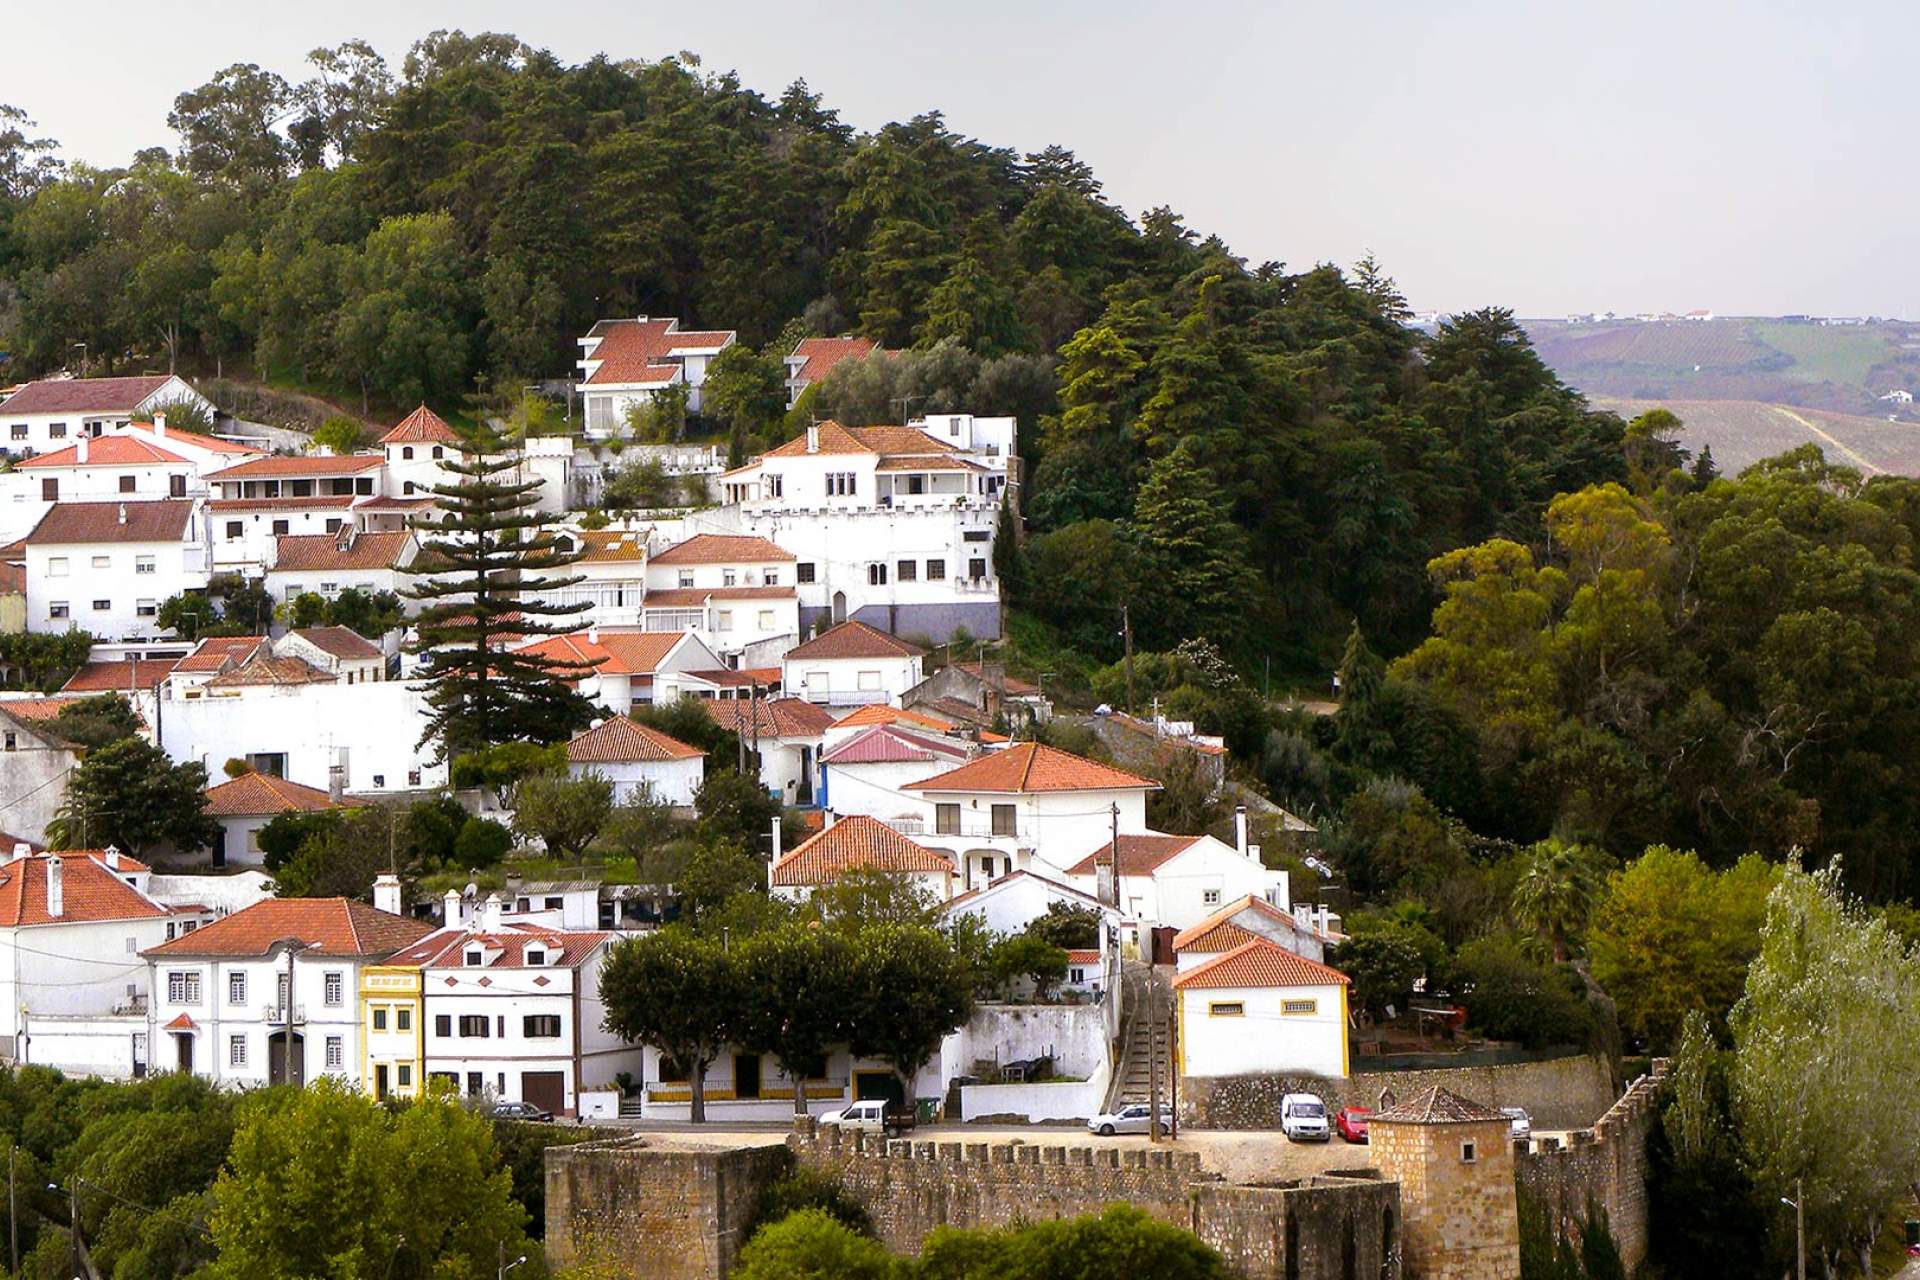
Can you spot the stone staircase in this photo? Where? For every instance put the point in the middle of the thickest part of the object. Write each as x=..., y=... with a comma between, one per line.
x=1144, y=1038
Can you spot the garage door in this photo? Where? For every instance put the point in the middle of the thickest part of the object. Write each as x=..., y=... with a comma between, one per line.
x=544, y=1089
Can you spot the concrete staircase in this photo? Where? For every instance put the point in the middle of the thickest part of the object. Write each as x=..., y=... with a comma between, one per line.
x=1144, y=1038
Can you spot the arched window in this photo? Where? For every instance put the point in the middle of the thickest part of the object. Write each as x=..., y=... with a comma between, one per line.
x=438, y=451
x=407, y=451
x=408, y=490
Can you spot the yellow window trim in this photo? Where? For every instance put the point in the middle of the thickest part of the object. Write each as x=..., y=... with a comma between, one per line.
x=1227, y=1009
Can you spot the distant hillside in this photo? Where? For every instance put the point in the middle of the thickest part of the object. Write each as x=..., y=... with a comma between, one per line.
x=1741, y=432
x=1842, y=368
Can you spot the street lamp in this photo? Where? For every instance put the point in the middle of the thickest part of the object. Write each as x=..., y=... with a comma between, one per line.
x=1799, y=1226
x=506, y=1266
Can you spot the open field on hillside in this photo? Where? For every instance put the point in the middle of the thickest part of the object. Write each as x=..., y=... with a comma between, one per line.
x=1741, y=432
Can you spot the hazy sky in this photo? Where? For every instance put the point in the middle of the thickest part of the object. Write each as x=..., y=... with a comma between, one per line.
x=1749, y=158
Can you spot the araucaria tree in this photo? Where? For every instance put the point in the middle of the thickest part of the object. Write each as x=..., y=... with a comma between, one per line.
x=481, y=569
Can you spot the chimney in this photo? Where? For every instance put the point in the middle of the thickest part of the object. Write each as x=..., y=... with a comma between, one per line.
x=451, y=909
x=775, y=845
x=56, y=887
x=386, y=894
x=593, y=633
x=1240, y=829
x=21, y=850
x=81, y=447
x=160, y=425
x=111, y=856
x=490, y=914
x=813, y=437
x=828, y=818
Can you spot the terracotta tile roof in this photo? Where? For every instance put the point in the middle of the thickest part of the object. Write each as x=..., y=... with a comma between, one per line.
x=884, y=744
x=253, y=794
x=1030, y=766
x=196, y=440
x=305, y=465
x=107, y=451
x=80, y=522
x=215, y=652
x=729, y=678
x=1007, y=684
x=1087, y=955
x=884, y=713
x=83, y=395
x=305, y=552
x=1218, y=932
x=602, y=546
x=641, y=350
x=446, y=948
x=778, y=718
x=854, y=640
x=264, y=669
x=1140, y=855
x=1437, y=1105
x=181, y=1022
x=423, y=425
x=9, y=842
x=32, y=710
x=855, y=843
x=340, y=642
x=636, y=653
x=622, y=738
x=1260, y=963
x=818, y=356
x=884, y=442
x=926, y=463
x=380, y=503
x=341, y=500
x=99, y=677
x=688, y=597
x=722, y=548
x=88, y=890
x=1053, y=886
x=331, y=926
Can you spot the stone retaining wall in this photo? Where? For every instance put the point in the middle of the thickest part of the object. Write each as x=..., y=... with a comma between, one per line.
x=1564, y=1093
x=1605, y=1165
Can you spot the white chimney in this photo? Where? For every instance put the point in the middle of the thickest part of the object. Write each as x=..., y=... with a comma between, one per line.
x=775, y=846
x=21, y=850
x=81, y=447
x=593, y=633
x=452, y=908
x=386, y=894
x=160, y=424
x=1240, y=829
x=56, y=887
x=813, y=437
x=112, y=858
x=490, y=914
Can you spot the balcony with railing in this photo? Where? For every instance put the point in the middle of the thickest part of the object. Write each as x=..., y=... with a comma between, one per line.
x=965, y=827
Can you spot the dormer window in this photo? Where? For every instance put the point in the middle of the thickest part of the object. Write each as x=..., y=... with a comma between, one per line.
x=536, y=956
x=475, y=957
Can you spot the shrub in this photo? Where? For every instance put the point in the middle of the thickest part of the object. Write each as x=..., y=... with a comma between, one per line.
x=1511, y=996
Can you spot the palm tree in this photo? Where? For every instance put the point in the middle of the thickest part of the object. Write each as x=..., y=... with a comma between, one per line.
x=1557, y=892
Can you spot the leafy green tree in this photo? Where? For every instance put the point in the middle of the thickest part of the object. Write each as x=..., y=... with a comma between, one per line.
x=1558, y=888
x=680, y=992
x=188, y=615
x=97, y=721
x=812, y=1242
x=661, y=417
x=338, y=435
x=1119, y=1242
x=226, y=127
x=641, y=484
x=564, y=813
x=1510, y=996
x=1071, y=926
x=912, y=990
x=1383, y=968
x=1191, y=558
x=404, y=329
x=129, y=794
x=747, y=390
x=797, y=1005
x=1034, y=958
x=735, y=809
x=714, y=874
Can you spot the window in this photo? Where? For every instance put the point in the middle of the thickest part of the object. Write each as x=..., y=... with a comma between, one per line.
x=876, y=575
x=686, y=577
x=102, y=562
x=364, y=485
x=869, y=680
x=1076, y=975
x=404, y=1075
x=336, y=1053
x=303, y=488
x=333, y=526
x=234, y=529
x=1226, y=1009
x=183, y=987
x=57, y=430
x=1210, y=897
x=403, y=1021
x=145, y=608
x=771, y=577
x=56, y=566
x=907, y=570
x=1299, y=1008
x=103, y=606
x=936, y=571
x=176, y=486
x=236, y=988
x=379, y=781
x=535, y=957
x=279, y=528
x=1003, y=820
x=976, y=568
x=413, y=777
x=671, y=1072
x=475, y=1026
x=775, y=485
x=946, y=819
x=19, y=431
x=540, y=1026
x=841, y=484
x=236, y=1051
x=442, y=1024
x=729, y=578
x=974, y=535
x=329, y=589
x=438, y=452
x=126, y=484
x=58, y=609
x=11, y=741
x=475, y=957
x=379, y=1019
x=143, y=564
x=1468, y=1154
x=765, y=622
x=406, y=490
x=803, y=572
x=723, y=619
x=406, y=451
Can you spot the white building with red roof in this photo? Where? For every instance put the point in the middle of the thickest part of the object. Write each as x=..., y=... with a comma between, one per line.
x=246, y=804
x=35, y=761
x=631, y=668
x=853, y=664
x=625, y=363
x=639, y=760
x=263, y=499
x=1260, y=1009
x=105, y=567
x=858, y=844
x=867, y=772
x=812, y=359
x=52, y=413
x=736, y=591
x=1177, y=881
x=114, y=468
x=786, y=734
x=347, y=559
x=1302, y=929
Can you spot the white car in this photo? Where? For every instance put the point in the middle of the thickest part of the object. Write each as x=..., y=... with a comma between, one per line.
x=1131, y=1118
x=874, y=1116
x=1522, y=1122
x=1303, y=1118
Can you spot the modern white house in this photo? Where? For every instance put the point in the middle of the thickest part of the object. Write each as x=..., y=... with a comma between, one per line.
x=346, y=559
x=221, y=1006
x=54, y=412
x=852, y=664
x=1302, y=930
x=630, y=668
x=1178, y=881
x=638, y=760
x=265, y=499
x=786, y=733
x=867, y=773
x=858, y=844
x=244, y=805
x=1259, y=1009
x=736, y=592
x=105, y=567
x=624, y=363
x=114, y=468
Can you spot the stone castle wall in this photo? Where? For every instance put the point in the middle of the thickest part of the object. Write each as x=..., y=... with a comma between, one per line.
x=1605, y=1165
x=1564, y=1093
x=1460, y=1215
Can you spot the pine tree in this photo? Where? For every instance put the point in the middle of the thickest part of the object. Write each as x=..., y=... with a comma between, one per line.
x=1009, y=556
x=1705, y=472
x=1193, y=567
x=478, y=567
x=1358, y=733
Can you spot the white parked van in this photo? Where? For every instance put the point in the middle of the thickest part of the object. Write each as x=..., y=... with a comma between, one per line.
x=1303, y=1118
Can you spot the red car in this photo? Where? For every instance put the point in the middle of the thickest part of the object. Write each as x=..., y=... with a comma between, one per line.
x=1352, y=1122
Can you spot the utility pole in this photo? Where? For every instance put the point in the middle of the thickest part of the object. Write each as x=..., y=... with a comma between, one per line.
x=13, y=1212
x=1126, y=629
x=1153, y=1056
x=73, y=1216
x=1114, y=849
x=1800, y=1226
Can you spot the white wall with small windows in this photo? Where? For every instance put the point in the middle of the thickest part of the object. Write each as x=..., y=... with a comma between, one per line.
x=371, y=729
x=1193, y=884
x=852, y=682
x=112, y=589
x=26, y=493
x=224, y=1018
x=1230, y=1031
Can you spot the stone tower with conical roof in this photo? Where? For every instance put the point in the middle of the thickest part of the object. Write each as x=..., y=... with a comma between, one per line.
x=1454, y=1161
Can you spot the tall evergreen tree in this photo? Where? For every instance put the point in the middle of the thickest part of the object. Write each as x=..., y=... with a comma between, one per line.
x=478, y=571
x=1193, y=568
x=1358, y=732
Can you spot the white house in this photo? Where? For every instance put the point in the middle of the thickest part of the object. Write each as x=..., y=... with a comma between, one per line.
x=220, y=1006
x=35, y=761
x=1012, y=902
x=787, y=734
x=638, y=760
x=188, y=676
x=612, y=569
x=415, y=450
x=866, y=773
x=54, y=412
x=328, y=563
x=624, y=363
x=207, y=453
x=812, y=359
x=341, y=652
x=629, y=668
x=1259, y=1009
x=738, y=593
x=1026, y=806
x=105, y=567
x=1301, y=931
x=513, y=1013
x=244, y=805
x=1178, y=881
x=852, y=664
x=116, y=468
x=858, y=844
x=262, y=500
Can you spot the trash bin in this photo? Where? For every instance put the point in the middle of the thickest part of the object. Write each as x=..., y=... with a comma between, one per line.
x=926, y=1110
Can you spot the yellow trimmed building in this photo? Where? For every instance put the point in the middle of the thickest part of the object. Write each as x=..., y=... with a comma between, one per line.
x=1260, y=1009
x=392, y=1029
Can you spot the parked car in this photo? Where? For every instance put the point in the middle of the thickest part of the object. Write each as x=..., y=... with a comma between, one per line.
x=1303, y=1118
x=1131, y=1118
x=520, y=1111
x=1522, y=1122
x=874, y=1116
x=1352, y=1122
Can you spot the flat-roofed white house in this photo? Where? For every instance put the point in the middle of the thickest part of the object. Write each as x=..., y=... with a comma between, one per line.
x=638, y=760
x=54, y=412
x=1259, y=1009
x=624, y=363
x=105, y=567
x=852, y=664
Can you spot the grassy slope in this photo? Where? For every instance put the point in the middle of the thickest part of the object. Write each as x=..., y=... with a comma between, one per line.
x=1741, y=432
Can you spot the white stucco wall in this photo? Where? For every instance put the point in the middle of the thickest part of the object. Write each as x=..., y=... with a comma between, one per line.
x=1262, y=1038
x=375, y=725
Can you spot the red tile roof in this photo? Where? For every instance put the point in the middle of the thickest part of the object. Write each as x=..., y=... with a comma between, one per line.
x=341, y=500
x=340, y=642
x=253, y=794
x=767, y=678
x=1437, y=1105
x=88, y=890
x=885, y=442
x=82, y=522
x=1140, y=855
x=884, y=744
x=107, y=451
x=1030, y=766
x=1218, y=932
x=854, y=640
x=778, y=718
x=641, y=350
x=265, y=669
x=215, y=652
x=722, y=548
x=615, y=653
x=855, y=843
x=99, y=677
x=306, y=465
x=83, y=395
x=689, y=597
x=885, y=713
x=602, y=546
x=1260, y=963
x=818, y=356
x=446, y=948
x=32, y=710
x=307, y=552
x=423, y=425
x=331, y=927
x=1083, y=955
x=622, y=739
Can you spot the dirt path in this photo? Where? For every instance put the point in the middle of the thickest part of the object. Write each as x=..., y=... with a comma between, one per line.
x=1814, y=429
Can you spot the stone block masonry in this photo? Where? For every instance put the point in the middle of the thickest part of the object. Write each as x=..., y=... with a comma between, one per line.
x=1605, y=1166
x=1563, y=1093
